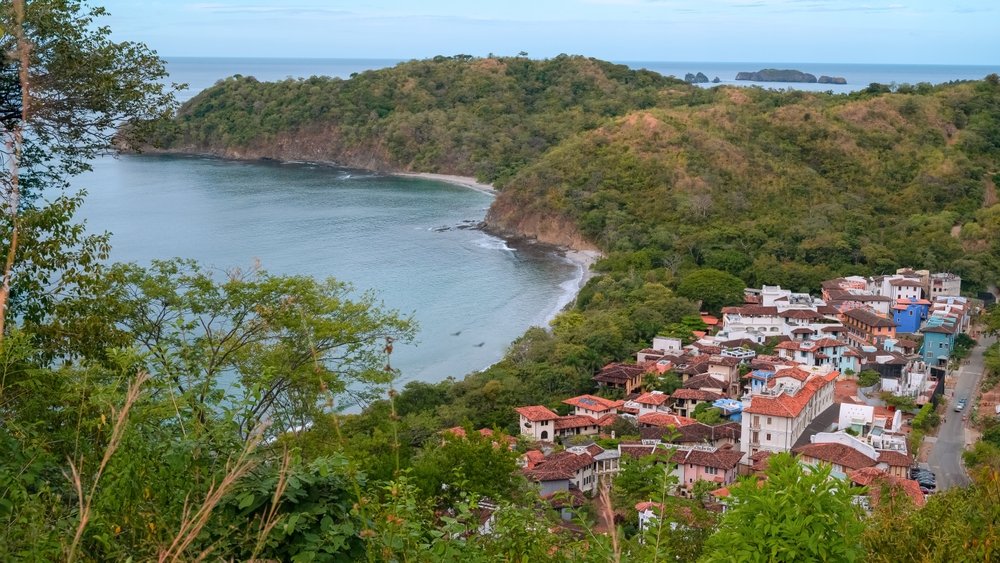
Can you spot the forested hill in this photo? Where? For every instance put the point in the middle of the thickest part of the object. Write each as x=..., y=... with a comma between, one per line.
x=784, y=188
x=772, y=186
x=460, y=115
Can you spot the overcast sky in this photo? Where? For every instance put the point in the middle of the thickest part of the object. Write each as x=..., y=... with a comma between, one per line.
x=849, y=31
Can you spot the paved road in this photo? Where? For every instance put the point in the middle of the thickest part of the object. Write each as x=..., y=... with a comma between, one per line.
x=946, y=456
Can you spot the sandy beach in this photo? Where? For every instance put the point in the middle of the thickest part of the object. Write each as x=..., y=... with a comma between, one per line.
x=582, y=259
x=464, y=181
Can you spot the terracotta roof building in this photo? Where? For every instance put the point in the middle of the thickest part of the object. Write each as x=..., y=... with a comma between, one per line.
x=592, y=405
x=620, y=376
x=663, y=420
x=865, y=327
x=779, y=413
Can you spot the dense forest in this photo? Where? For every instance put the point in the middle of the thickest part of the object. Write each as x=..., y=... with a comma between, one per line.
x=772, y=186
x=731, y=185
x=175, y=413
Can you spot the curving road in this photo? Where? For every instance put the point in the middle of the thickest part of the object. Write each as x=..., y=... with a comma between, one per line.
x=946, y=456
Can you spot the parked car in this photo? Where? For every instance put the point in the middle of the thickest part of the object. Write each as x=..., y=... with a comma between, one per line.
x=960, y=405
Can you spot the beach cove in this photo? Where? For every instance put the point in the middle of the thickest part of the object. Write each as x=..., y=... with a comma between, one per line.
x=413, y=239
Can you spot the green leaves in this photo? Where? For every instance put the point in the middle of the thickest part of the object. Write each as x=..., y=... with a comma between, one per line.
x=796, y=514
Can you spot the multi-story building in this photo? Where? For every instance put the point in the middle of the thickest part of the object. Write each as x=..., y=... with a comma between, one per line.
x=537, y=422
x=819, y=352
x=776, y=416
x=944, y=284
x=909, y=314
x=621, y=376
x=865, y=327
x=779, y=313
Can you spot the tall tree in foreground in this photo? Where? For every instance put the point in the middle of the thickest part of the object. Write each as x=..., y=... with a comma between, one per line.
x=66, y=91
x=797, y=514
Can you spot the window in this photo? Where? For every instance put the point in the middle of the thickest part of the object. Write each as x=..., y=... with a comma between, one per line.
x=545, y=435
x=767, y=437
x=769, y=420
x=711, y=471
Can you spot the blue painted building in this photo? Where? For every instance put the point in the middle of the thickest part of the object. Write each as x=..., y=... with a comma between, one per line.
x=759, y=379
x=939, y=339
x=908, y=314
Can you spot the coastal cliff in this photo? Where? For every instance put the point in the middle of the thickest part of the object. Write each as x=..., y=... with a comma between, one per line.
x=775, y=75
x=650, y=170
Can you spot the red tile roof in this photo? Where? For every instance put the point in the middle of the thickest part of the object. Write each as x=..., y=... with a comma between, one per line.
x=751, y=311
x=794, y=372
x=649, y=505
x=804, y=314
x=761, y=460
x=728, y=361
x=664, y=420
x=709, y=319
x=592, y=402
x=790, y=405
x=703, y=381
x=536, y=413
x=533, y=458
x=894, y=459
x=560, y=465
x=652, y=398
x=875, y=479
x=693, y=433
x=575, y=421
x=719, y=459
x=837, y=454
x=695, y=395
x=619, y=373
x=637, y=450
x=869, y=318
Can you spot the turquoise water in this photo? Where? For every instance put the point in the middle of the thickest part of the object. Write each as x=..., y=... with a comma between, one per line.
x=403, y=237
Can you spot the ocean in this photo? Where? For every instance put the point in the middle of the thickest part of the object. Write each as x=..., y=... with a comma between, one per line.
x=407, y=239
x=200, y=73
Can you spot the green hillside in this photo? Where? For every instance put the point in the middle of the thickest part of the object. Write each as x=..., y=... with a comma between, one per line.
x=783, y=187
x=773, y=186
x=480, y=117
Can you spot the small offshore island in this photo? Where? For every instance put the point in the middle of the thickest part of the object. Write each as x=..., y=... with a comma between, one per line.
x=788, y=75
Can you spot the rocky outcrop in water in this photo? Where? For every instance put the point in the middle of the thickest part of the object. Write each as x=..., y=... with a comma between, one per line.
x=775, y=75
x=699, y=78
x=832, y=80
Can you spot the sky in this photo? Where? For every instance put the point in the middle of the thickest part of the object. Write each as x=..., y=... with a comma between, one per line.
x=844, y=31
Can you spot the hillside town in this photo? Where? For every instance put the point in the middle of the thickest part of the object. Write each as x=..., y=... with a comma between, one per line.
x=831, y=379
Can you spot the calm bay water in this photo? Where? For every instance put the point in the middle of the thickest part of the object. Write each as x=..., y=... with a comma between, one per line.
x=395, y=235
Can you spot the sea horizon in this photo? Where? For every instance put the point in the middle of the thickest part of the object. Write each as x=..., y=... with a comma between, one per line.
x=202, y=72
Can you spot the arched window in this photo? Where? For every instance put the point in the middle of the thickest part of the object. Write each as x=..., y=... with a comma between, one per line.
x=545, y=434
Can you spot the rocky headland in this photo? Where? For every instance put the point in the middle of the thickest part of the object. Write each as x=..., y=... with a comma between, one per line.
x=788, y=75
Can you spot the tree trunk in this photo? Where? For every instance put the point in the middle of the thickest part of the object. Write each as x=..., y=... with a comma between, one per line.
x=15, y=141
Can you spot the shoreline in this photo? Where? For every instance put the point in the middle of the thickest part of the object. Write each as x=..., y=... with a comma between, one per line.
x=582, y=259
x=463, y=181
